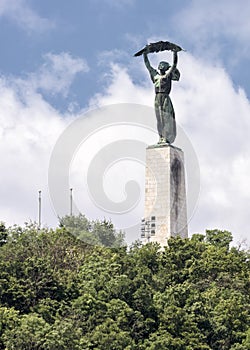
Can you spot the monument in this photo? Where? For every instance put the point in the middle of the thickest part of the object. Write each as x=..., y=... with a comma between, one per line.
x=165, y=212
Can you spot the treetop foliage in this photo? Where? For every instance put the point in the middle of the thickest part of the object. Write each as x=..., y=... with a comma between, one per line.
x=93, y=232
x=58, y=291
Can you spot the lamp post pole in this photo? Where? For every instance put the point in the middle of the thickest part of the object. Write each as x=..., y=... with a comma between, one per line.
x=71, y=201
x=39, y=208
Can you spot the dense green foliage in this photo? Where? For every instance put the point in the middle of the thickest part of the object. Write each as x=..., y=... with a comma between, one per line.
x=58, y=292
x=93, y=232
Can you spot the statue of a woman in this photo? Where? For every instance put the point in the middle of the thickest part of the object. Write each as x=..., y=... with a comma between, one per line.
x=163, y=105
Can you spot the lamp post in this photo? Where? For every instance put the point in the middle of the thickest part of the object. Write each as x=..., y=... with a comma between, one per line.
x=71, y=201
x=39, y=208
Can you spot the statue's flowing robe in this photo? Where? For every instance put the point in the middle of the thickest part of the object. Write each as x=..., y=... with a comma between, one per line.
x=164, y=110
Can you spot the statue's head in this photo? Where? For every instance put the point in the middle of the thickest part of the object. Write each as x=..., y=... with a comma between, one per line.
x=163, y=66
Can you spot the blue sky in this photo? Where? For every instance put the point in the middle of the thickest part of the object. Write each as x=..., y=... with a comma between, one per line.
x=84, y=29
x=61, y=59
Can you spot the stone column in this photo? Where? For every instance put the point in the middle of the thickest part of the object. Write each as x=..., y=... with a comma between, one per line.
x=165, y=212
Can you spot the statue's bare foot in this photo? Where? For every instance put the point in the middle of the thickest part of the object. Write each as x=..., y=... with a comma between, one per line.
x=162, y=140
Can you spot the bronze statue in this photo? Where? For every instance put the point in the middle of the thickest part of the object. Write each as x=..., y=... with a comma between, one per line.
x=162, y=80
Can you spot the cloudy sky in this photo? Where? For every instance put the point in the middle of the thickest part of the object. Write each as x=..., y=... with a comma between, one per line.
x=61, y=62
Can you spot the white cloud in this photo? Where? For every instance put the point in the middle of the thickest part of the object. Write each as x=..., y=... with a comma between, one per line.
x=216, y=26
x=28, y=131
x=29, y=128
x=216, y=18
x=19, y=12
x=116, y=4
x=57, y=73
x=122, y=89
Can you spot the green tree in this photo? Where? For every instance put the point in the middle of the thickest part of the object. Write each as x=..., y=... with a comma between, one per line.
x=219, y=238
x=9, y=319
x=108, y=336
x=63, y=335
x=39, y=264
x=58, y=292
x=93, y=232
x=3, y=234
x=29, y=334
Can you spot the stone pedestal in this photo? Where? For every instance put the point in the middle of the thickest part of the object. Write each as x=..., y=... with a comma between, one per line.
x=165, y=213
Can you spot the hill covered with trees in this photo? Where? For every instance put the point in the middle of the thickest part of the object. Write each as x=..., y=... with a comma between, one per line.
x=58, y=291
